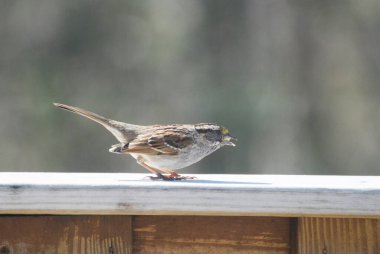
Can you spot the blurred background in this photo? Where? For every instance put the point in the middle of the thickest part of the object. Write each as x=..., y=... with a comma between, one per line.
x=297, y=82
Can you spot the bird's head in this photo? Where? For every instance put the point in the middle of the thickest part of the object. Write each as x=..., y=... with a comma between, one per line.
x=215, y=134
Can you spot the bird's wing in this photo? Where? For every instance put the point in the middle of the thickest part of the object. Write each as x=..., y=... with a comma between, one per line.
x=167, y=140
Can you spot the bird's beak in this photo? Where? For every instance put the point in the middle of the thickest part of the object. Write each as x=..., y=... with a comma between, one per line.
x=229, y=140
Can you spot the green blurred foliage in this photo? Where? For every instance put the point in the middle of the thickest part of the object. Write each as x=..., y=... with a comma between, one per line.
x=296, y=81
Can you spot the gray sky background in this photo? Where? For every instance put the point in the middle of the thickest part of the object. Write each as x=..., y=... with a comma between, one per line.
x=296, y=81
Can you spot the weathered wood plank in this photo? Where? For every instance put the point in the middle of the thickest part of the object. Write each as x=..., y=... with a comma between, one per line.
x=65, y=234
x=204, y=234
x=269, y=195
x=338, y=236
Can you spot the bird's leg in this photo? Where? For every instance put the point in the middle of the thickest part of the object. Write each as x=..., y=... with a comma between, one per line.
x=169, y=174
x=140, y=161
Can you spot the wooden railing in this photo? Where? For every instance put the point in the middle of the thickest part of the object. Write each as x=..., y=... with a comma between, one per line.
x=127, y=213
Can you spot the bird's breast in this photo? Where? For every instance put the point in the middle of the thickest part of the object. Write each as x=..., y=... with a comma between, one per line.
x=183, y=159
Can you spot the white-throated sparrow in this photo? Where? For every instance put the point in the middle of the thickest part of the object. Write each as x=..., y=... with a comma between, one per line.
x=162, y=148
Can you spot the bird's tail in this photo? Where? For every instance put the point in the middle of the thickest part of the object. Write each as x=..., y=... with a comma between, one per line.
x=95, y=117
x=122, y=131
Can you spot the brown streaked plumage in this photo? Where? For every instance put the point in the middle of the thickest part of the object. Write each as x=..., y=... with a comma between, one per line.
x=162, y=148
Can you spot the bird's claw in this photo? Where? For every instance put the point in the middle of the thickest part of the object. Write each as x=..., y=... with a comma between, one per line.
x=171, y=177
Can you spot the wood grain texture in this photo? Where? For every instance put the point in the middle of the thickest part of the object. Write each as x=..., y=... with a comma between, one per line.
x=65, y=234
x=220, y=195
x=338, y=236
x=203, y=234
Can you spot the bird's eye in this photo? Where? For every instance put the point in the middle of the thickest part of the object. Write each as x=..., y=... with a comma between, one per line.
x=215, y=136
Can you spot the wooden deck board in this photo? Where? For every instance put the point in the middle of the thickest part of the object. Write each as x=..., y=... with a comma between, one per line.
x=65, y=234
x=220, y=195
x=339, y=236
x=207, y=234
x=127, y=213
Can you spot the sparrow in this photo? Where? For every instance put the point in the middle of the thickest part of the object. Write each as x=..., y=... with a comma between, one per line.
x=161, y=149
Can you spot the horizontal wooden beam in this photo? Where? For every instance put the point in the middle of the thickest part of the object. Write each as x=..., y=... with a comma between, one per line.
x=243, y=195
x=109, y=234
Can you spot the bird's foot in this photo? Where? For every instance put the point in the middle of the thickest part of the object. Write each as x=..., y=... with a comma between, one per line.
x=171, y=177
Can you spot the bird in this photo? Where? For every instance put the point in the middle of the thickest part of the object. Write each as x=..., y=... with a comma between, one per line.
x=162, y=149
